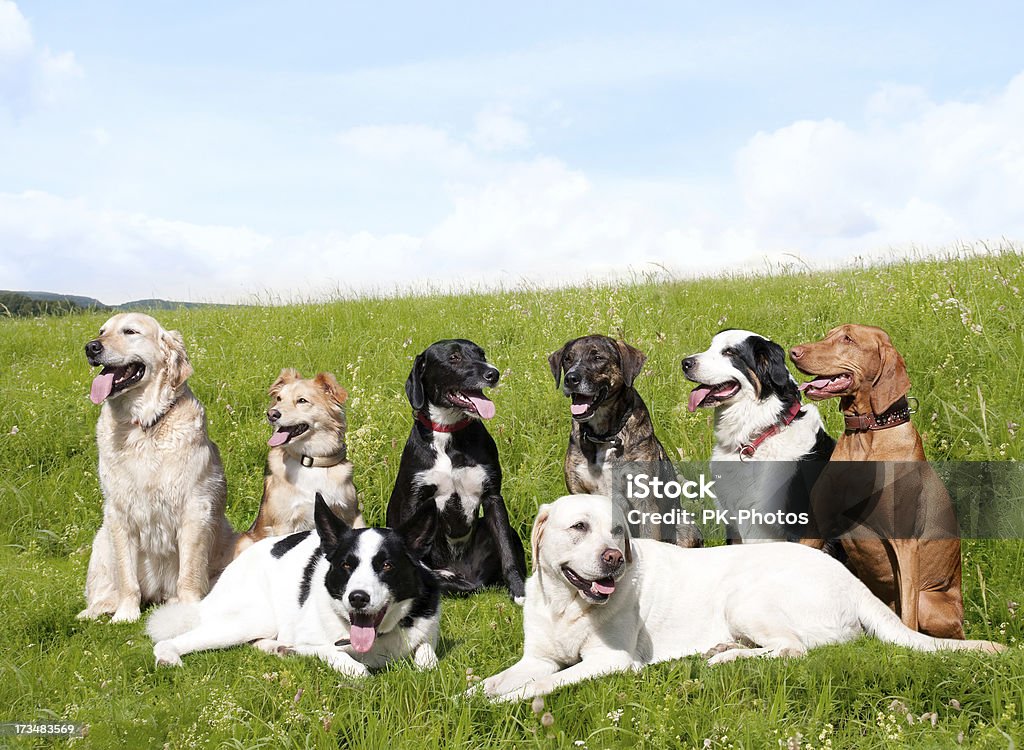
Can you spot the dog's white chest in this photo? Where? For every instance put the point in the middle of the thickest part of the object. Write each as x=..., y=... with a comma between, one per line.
x=465, y=481
x=597, y=476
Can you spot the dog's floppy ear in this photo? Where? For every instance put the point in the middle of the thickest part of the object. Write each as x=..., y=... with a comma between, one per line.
x=892, y=380
x=620, y=509
x=631, y=360
x=288, y=375
x=329, y=385
x=555, y=363
x=328, y=526
x=538, y=533
x=176, y=363
x=414, y=384
x=770, y=365
x=419, y=530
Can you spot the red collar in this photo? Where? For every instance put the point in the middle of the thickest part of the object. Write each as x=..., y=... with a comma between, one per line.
x=747, y=450
x=424, y=420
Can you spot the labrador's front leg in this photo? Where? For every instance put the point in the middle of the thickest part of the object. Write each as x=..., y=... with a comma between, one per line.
x=594, y=665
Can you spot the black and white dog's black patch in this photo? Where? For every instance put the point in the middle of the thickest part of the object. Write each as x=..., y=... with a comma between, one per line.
x=450, y=472
x=355, y=598
x=758, y=419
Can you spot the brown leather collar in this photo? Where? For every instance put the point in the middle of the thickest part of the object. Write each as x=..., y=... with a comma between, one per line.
x=897, y=414
x=325, y=461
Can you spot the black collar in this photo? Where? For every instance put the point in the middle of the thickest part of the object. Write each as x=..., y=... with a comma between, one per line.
x=609, y=438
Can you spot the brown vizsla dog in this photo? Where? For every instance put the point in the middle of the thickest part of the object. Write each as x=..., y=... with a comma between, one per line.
x=886, y=503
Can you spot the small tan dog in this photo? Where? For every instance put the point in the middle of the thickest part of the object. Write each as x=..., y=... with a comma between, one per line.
x=164, y=534
x=307, y=456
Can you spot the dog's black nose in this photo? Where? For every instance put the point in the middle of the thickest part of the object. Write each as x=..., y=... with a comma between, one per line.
x=93, y=348
x=612, y=557
x=358, y=599
x=572, y=378
x=273, y=415
x=491, y=375
x=689, y=363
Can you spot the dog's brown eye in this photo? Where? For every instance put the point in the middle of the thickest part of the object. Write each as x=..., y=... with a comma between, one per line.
x=302, y=401
x=386, y=566
x=129, y=332
x=847, y=339
x=728, y=351
x=454, y=357
x=580, y=526
x=616, y=531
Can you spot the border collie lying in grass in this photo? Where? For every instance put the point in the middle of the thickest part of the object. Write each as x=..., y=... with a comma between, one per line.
x=356, y=598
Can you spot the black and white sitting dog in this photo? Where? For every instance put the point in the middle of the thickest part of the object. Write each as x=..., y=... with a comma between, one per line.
x=355, y=598
x=450, y=471
x=759, y=421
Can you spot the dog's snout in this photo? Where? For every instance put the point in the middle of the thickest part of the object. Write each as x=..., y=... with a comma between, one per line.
x=689, y=363
x=273, y=415
x=93, y=348
x=796, y=353
x=358, y=599
x=572, y=378
x=491, y=375
x=611, y=557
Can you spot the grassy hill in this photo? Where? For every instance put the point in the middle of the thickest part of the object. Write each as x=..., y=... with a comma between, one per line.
x=958, y=323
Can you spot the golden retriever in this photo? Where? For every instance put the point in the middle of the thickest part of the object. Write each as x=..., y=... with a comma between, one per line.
x=164, y=533
x=307, y=456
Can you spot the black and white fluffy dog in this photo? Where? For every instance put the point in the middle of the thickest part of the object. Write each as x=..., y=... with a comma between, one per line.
x=355, y=598
x=450, y=471
x=759, y=421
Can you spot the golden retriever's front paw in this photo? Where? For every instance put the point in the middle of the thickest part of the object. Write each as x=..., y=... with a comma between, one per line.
x=126, y=613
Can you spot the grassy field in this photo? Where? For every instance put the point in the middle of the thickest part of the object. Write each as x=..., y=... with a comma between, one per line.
x=959, y=324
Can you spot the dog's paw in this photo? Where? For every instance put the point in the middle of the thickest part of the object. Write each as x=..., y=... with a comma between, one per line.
x=424, y=657
x=126, y=613
x=720, y=648
x=186, y=597
x=346, y=665
x=270, y=646
x=519, y=600
x=166, y=655
x=722, y=657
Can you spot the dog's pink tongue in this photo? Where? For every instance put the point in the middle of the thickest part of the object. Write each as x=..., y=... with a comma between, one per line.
x=362, y=637
x=816, y=383
x=102, y=385
x=599, y=587
x=697, y=395
x=484, y=407
x=279, y=438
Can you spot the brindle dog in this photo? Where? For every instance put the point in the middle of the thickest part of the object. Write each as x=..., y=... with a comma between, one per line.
x=611, y=427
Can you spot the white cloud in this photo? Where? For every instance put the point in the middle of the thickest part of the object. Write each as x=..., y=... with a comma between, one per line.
x=29, y=74
x=915, y=173
x=918, y=172
x=498, y=130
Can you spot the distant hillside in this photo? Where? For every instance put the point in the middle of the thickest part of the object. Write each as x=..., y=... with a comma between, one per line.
x=25, y=304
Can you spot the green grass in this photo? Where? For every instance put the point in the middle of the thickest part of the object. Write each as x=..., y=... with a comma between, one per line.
x=965, y=358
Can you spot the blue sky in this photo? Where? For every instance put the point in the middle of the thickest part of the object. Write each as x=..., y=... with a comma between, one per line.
x=215, y=151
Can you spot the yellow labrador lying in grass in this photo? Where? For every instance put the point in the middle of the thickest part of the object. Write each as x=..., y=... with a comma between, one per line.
x=598, y=602
x=164, y=533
